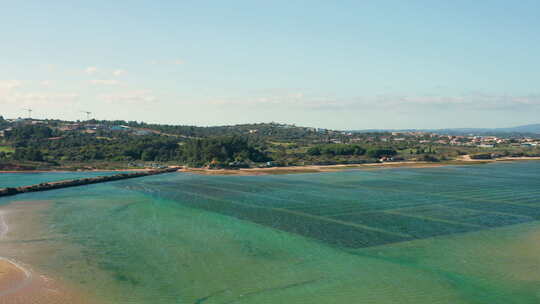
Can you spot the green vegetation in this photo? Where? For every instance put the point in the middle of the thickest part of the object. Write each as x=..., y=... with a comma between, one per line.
x=6, y=149
x=376, y=153
x=3, y=123
x=231, y=151
x=31, y=154
x=336, y=149
x=121, y=144
x=481, y=156
x=29, y=132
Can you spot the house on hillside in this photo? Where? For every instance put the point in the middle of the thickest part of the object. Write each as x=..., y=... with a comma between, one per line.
x=70, y=127
x=120, y=128
x=143, y=132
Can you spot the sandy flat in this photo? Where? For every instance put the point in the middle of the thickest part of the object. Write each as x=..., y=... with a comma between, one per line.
x=463, y=160
x=311, y=168
x=20, y=283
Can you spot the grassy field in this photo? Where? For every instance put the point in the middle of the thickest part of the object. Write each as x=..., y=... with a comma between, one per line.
x=6, y=149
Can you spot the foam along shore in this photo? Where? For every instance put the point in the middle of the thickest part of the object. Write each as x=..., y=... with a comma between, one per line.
x=81, y=181
x=13, y=277
x=21, y=284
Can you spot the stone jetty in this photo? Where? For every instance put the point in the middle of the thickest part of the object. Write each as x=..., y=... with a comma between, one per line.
x=81, y=181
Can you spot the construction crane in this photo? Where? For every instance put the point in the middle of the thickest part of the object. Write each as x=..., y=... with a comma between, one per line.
x=29, y=113
x=87, y=114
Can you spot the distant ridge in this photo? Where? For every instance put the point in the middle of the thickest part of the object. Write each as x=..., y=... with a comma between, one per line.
x=534, y=128
x=525, y=129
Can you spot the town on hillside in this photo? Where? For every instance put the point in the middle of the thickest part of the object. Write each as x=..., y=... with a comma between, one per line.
x=45, y=144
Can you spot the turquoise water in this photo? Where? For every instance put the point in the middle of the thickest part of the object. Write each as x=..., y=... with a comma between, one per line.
x=25, y=179
x=438, y=235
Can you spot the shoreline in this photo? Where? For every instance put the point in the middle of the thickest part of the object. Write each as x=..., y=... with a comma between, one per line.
x=20, y=283
x=341, y=167
x=13, y=276
x=463, y=160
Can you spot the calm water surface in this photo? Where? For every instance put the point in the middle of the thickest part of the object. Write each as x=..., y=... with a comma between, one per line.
x=25, y=179
x=438, y=235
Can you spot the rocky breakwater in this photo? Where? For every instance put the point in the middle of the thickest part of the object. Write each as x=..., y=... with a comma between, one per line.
x=81, y=181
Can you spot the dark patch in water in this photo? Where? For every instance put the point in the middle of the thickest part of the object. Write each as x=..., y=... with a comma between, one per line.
x=288, y=286
x=363, y=209
x=202, y=300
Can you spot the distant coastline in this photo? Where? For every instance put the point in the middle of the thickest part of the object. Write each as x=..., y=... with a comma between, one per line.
x=463, y=160
x=334, y=168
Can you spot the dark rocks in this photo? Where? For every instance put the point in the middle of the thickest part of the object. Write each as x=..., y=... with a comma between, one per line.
x=81, y=182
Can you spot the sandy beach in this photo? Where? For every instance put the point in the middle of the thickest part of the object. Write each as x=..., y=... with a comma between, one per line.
x=19, y=282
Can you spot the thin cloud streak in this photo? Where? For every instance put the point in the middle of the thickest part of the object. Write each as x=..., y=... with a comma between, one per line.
x=118, y=73
x=136, y=97
x=91, y=70
x=302, y=100
x=8, y=85
x=107, y=82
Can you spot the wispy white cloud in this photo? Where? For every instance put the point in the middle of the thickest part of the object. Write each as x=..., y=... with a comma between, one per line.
x=167, y=62
x=300, y=99
x=8, y=90
x=9, y=85
x=118, y=73
x=31, y=99
x=275, y=97
x=46, y=83
x=471, y=101
x=91, y=70
x=130, y=97
x=107, y=82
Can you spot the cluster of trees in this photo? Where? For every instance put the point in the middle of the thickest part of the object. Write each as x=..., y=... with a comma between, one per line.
x=330, y=150
x=84, y=147
x=3, y=122
x=30, y=154
x=38, y=143
x=221, y=151
x=481, y=156
x=41, y=143
x=268, y=131
x=29, y=132
x=222, y=146
x=336, y=149
x=380, y=152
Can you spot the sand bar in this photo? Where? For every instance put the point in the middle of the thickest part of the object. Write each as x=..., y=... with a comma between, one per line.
x=333, y=168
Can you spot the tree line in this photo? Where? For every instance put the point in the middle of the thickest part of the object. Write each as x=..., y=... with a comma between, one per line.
x=42, y=143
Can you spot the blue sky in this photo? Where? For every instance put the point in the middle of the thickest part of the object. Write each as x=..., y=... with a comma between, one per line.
x=334, y=64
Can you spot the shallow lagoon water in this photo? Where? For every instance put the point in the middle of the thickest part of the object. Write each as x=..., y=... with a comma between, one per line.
x=32, y=178
x=438, y=235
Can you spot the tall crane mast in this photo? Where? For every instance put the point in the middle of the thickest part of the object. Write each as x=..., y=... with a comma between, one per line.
x=29, y=112
x=87, y=114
